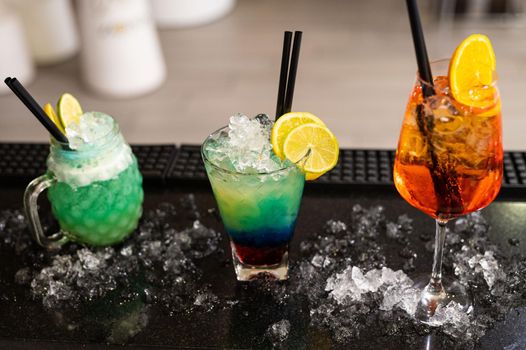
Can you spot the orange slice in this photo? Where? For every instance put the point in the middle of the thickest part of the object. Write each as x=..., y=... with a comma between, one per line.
x=471, y=73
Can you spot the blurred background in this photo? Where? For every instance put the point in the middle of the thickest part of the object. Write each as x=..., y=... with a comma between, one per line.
x=172, y=71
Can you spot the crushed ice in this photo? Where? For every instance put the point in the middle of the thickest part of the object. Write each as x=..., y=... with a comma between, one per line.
x=341, y=272
x=278, y=332
x=245, y=146
x=91, y=127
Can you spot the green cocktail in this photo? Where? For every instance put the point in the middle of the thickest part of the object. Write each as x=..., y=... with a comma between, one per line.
x=101, y=213
x=95, y=187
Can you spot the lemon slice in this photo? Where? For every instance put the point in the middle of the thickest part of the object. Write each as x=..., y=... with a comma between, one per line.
x=69, y=110
x=50, y=112
x=285, y=124
x=313, y=147
x=471, y=73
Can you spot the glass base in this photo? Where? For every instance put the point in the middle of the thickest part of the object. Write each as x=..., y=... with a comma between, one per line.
x=247, y=272
x=439, y=293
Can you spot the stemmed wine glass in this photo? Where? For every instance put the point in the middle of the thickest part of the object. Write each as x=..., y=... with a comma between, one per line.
x=448, y=164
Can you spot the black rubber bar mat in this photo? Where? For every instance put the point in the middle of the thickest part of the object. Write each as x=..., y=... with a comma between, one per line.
x=227, y=314
x=152, y=309
x=168, y=162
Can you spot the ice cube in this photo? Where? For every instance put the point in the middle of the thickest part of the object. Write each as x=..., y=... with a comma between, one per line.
x=206, y=300
x=454, y=320
x=359, y=279
x=317, y=260
x=490, y=269
x=374, y=279
x=335, y=227
x=392, y=230
x=89, y=260
x=127, y=251
x=92, y=126
x=278, y=332
x=342, y=287
x=58, y=291
x=246, y=146
x=461, y=225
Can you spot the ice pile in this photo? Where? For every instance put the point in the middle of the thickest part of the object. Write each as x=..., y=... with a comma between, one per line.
x=71, y=278
x=475, y=260
x=346, y=279
x=92, y=126
x=165, y=256
x=245, y=146
x=395, y=287
x=360, y=293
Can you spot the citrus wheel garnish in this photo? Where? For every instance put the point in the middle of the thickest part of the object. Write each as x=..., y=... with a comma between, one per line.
x=285, y=124
x=471, y=72
x=313, y=147
x=69, y=110
x=50, y=112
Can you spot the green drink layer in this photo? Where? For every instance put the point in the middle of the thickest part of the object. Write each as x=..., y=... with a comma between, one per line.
x=101, y=213
x=258, y=210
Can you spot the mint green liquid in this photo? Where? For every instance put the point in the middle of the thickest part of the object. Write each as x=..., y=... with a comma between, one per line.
x=101, y=213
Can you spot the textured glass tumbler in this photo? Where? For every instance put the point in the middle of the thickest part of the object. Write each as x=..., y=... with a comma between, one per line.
x=259, y=212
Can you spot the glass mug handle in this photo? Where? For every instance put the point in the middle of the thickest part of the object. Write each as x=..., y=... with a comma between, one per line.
x=31, y=194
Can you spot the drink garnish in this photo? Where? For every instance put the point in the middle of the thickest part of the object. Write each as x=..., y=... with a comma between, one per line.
x=50, y=112
x=471, y=73
x=285, y=124
x=313, y=147
x=69, y=110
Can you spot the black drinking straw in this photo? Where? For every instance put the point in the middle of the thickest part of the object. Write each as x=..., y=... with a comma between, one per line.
x=35, y=108
x=285, y=56
x=424, y=68
x=287, y=76
x=292, y=71
x=443, y=176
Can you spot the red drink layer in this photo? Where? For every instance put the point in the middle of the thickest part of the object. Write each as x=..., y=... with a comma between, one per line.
x=260, y=256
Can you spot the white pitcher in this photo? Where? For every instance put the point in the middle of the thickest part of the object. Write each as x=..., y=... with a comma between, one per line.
x=50, y=27
x=121, y=55
x=184, y=13
x=15, y=59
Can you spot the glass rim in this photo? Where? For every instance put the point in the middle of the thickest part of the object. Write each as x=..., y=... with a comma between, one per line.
x=113, y=131
x=495, y=76
x=233, y=172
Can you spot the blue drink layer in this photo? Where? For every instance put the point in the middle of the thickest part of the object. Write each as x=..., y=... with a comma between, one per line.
x=258, y=210
x=264, y=237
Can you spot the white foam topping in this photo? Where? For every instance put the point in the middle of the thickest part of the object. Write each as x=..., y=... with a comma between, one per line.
x=102, y=162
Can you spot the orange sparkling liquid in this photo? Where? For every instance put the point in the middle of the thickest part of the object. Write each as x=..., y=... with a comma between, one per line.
x=456, y=168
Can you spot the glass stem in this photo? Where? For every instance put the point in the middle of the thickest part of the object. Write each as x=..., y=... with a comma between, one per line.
x=436, y=275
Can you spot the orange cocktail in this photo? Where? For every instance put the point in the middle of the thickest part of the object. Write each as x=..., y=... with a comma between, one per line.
x=449, y=157
x=456, y=168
